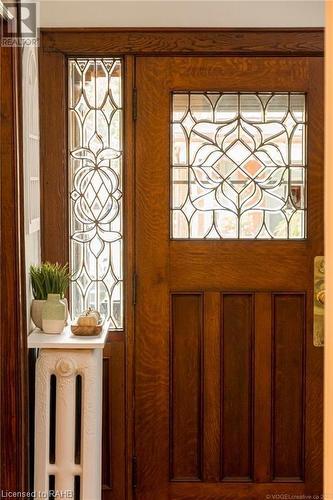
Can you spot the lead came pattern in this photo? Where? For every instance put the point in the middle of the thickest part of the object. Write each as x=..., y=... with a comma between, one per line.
x=95, y=179
x=238, y=165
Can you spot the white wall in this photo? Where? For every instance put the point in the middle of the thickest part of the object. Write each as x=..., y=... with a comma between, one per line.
x=190, y=13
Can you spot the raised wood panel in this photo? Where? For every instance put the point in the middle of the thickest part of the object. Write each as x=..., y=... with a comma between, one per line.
x=288, y=386
x=262, y=469
x=253, y=387
x=53, y=157
x=186, y=387
x=212, y=386
x=237, y=435
x=113, y=433
x=106, y=427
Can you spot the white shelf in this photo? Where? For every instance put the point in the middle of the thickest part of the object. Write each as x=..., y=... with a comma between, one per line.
x=66, y=340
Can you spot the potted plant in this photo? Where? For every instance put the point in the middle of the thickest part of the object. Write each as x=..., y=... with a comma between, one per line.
x=47, y=279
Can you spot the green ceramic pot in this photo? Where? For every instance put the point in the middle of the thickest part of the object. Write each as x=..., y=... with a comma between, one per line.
x=53, y=314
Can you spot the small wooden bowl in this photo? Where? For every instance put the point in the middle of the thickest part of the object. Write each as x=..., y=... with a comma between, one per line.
x=87, y=331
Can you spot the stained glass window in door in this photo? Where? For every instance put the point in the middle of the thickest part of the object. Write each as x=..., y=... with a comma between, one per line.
x=239, y=165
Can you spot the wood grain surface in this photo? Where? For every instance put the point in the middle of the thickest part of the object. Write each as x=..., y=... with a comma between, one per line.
x=244, y=371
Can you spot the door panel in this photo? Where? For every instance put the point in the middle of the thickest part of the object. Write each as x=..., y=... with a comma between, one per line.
x=288, y=387
x=237, y=389
x=185, y=390
x=228, y=385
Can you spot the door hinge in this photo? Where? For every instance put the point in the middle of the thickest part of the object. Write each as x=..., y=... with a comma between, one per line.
x=135, y=103
x=134, y=472
x=134, y=288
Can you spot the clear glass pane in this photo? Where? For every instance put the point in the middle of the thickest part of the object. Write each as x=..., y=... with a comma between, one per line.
x=95, y=185
x=238, y=165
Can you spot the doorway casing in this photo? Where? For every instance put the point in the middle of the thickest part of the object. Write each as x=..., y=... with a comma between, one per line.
x=56, y=46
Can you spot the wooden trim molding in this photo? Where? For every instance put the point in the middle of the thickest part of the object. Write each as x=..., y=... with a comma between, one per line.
x=139, y=41
x=13, y=334
x=53, y=157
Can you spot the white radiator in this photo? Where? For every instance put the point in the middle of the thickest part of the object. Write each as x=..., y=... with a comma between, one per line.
x=68, y=415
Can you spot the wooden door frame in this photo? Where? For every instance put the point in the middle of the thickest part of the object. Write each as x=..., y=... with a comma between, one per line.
x=57, y=44
x=13, y=330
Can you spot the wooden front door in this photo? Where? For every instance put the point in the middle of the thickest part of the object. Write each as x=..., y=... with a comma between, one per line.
x=229, y=218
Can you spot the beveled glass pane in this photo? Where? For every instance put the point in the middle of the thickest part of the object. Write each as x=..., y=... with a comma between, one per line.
x=238, y=165
x=95, y=185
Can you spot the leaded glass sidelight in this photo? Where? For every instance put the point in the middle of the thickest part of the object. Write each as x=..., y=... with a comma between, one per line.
x=95, y=185
x=238, y=165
